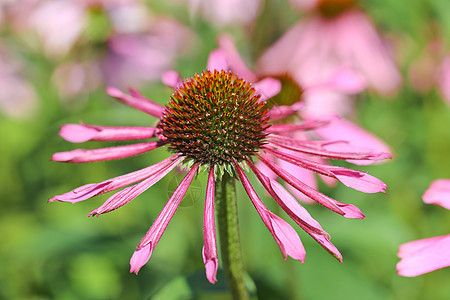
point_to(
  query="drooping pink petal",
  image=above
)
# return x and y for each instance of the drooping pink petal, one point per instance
(346, 210)
(304, 147)
(93, 189)
(359, 180)
(267, 88)
(283, 111)
(140, 257)
(409, 248)
(423, 256)
(356, 137)
(303, 174)
(438, 193)
(141, 103)
(126, 195)
(155, 232)
(299, 214)
(285, 236)
(209, 250)
(217, 61)
(359, 42)
(278, 58)
(80, 133)
(102, 154)
(171, 78)
(234, 59)
(307, 125)
(352, 178)
(443, 79)
(344, 80)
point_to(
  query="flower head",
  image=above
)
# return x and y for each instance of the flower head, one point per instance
(214, 119)
(335, 34)
(219, 122)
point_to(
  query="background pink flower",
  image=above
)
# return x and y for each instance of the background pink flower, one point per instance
(314, 47)
(426, 255)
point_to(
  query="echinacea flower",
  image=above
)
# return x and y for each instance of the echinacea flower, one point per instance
(431, 69)
(301, 100)
(427, 255)
(335, 33)
(215, 122)
(226, 12)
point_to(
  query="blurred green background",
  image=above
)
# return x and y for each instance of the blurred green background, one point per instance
(53, 251)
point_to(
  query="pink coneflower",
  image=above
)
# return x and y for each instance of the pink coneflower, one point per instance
(226, 12)
(335, 33)
(301, 100)
(216, 122)
(431, 69)
(426, 255)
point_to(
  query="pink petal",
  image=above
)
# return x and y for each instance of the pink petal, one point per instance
(281, 112)
(267, 88)
(438, 193)
(423, 256)
(126, 195)
(235, 61)
(155, 232)
(152, 237)
(299, 214)
(360, 42)
(217, 61)
(321, 237)
(278, 58)
(444, 79)
(90, 190)
(305, 147)
(355, 179)
(346, 210)
(307, 125)
(359, 180)
(140, 257)
(303, 174)
(355, 136)
(102, 154)
(137, 101)
(171, 79)
(344, 80)
(285, 236)
(209, 250)
(411, 247)
(79, 133)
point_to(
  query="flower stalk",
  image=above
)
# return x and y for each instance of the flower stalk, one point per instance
(230, 243)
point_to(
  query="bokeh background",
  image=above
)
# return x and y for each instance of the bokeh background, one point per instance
(56, 57)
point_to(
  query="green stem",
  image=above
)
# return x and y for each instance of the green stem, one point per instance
(230, 243)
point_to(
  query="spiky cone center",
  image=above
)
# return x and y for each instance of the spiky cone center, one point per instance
(215, 118)
(333, 8)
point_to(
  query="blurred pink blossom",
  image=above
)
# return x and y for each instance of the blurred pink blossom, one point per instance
(17, 96)
(431, 69)
(141, 57)
(226, 12)
(443, 78)
(313, 48)
(426, 255)
(316, 102)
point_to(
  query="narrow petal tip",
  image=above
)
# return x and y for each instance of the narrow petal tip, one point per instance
(113, 92)
(65, 156)
(77, 133)
(140, 257)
